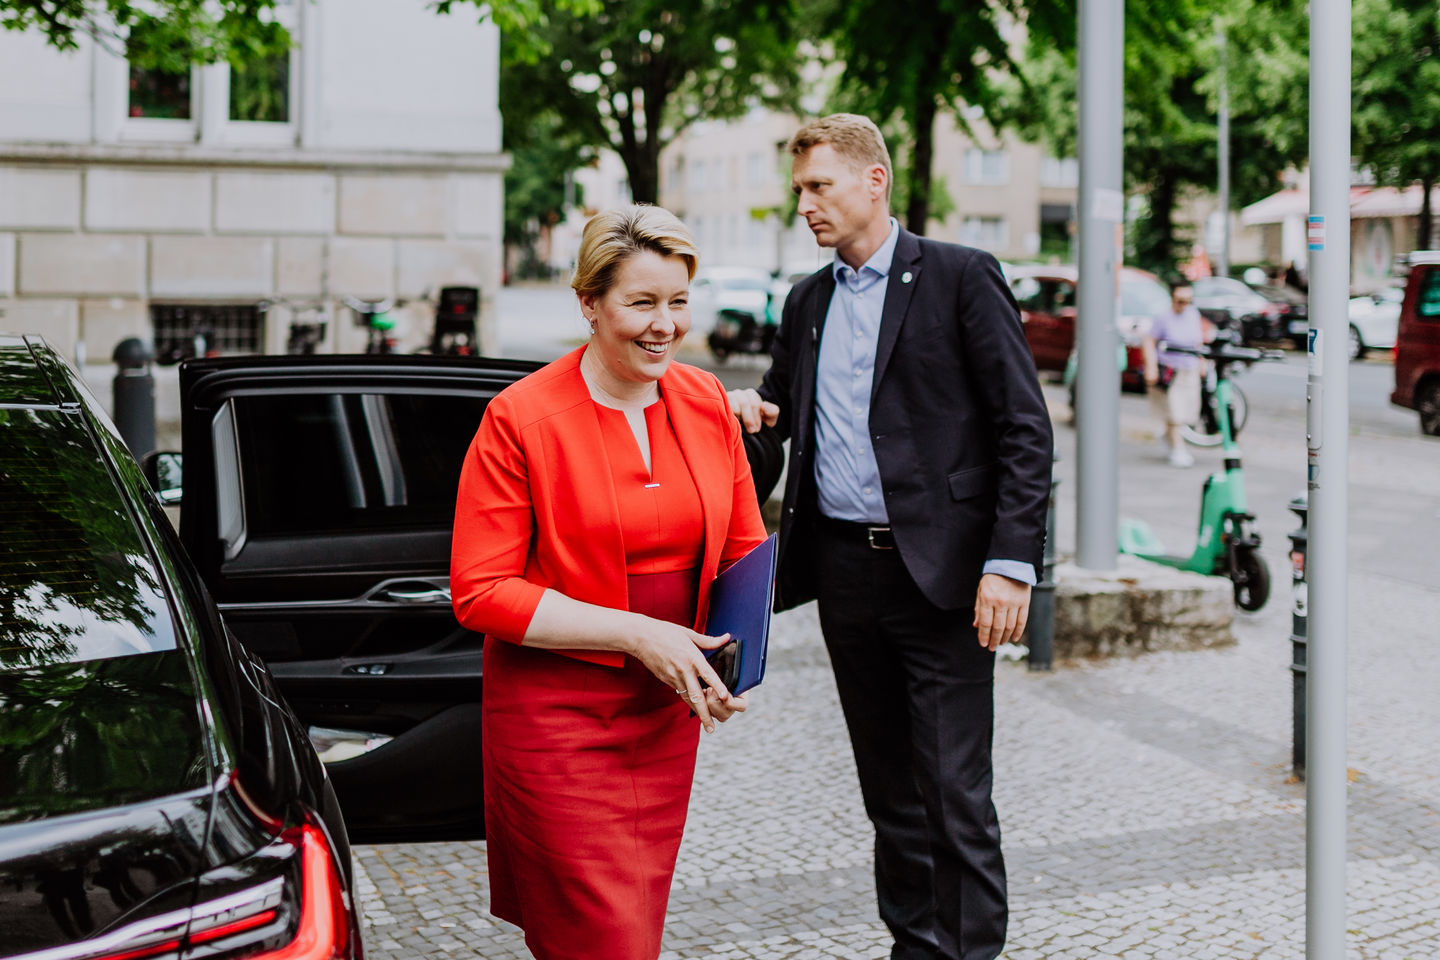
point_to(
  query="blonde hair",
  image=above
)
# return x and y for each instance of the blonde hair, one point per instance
(614, 236)
(855, 138)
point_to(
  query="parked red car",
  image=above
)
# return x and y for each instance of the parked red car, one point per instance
(1047, 299)
(1417, 346)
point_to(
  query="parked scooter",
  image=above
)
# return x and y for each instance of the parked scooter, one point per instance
(741, 331)
(1227, 543)
(374, 316)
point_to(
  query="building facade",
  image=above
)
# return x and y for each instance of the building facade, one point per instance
(366, 163)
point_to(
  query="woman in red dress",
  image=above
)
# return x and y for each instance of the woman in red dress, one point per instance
(599, 499)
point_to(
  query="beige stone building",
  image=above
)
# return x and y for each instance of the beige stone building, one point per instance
(366, 163)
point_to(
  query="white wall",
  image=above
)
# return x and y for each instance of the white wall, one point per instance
(44, 94)
(394, 75)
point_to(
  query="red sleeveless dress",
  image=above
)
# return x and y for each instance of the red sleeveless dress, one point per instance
(588, 767)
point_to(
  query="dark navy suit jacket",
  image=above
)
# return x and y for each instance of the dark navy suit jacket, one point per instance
(957, 420)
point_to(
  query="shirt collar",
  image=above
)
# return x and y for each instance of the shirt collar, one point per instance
(880, 260)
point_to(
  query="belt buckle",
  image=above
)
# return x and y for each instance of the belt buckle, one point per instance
(870, 535)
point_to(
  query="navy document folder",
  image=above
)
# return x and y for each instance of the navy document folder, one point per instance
(740, 603)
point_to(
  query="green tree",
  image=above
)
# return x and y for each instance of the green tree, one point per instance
(635, 73)
(1172, 78)
(1396, 96)
(910, 61)
(543, 153)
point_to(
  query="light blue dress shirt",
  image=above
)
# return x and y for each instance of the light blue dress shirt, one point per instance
(846, 473)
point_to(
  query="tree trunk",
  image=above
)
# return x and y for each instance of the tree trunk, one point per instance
(1161, 229)
(1424, 236)
(921, 160)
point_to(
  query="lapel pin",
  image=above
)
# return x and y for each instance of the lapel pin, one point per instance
(906, 277)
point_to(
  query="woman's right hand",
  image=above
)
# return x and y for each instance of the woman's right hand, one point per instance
(676, 656)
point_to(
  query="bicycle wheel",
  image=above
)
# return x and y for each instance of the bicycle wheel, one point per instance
(1206, 431)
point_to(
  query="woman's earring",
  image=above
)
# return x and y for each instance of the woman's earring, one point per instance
(591, 321)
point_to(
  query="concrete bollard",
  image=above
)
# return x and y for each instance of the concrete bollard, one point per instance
(1042, 601)
(134, 395)
(1299, 631)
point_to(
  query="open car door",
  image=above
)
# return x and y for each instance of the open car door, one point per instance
(319, 494)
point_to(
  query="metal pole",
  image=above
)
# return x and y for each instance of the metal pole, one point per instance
(1041, 628)
(1327, 428)
(1222, 257)
(1102, 217)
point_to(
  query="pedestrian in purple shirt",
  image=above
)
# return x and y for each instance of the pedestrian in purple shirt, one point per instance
(1173, 379)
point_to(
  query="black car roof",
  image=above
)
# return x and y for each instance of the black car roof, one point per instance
(26, 374)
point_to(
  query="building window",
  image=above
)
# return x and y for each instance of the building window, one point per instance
(260, 92)
(755, 169)
(987, 233)
(161, 102)
(205, 330)
(1059, 172)
(987, 167)
(697, 176)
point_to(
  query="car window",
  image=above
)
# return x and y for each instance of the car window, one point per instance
(1026, 291)
(350, 463)
(76, 581)
(1063, 292)
(1429, 305)
(1142, 297)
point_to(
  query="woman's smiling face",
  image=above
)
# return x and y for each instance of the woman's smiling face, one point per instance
(641, 319)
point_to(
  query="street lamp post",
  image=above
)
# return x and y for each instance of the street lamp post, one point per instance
(1102, 217)
(1327, 443)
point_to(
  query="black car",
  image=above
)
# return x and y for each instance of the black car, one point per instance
(1294, 310)
(1232, 305)
(159, 800)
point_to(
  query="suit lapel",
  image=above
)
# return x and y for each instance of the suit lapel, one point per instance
(904, 276)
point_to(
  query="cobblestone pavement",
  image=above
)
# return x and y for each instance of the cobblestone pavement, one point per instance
(1146, 805)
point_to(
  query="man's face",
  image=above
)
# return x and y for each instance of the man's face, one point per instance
(1180, 298)
(839, 202)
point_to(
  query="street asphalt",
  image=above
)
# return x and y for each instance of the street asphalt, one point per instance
(1147, 804)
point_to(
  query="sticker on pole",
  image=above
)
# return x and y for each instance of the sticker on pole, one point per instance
(1314, 350)
(1315, 232)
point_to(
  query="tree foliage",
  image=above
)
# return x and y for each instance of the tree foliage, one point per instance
(1173, 72)
(637, 72)
(1396, 95)
(165, 35)
(907, 62)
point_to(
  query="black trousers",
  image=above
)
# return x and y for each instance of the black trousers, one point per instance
(917, 690)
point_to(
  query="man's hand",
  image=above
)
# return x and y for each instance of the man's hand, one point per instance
(1002, 606)
(753, 411)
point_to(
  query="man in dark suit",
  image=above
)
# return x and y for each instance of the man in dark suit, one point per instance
(915, 513)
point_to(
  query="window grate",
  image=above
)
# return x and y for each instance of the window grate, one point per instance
(189, 330)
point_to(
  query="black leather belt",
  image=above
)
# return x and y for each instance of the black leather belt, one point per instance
(875, 536)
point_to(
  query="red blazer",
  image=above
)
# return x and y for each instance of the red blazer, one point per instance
(536, 506)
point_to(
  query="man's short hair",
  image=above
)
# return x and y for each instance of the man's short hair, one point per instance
(855, 138)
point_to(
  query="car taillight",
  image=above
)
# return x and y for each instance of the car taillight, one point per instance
(323, 932)
(244, 923)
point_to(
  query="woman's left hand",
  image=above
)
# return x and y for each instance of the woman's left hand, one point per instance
(723, 710)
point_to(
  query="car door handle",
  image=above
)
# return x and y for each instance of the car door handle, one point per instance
(426, 594)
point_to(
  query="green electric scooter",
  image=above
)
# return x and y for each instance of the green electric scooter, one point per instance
(1227, 543)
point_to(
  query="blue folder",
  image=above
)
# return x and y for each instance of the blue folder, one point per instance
(740, 603)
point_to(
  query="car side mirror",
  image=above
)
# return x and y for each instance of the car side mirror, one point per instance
(164, 470)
